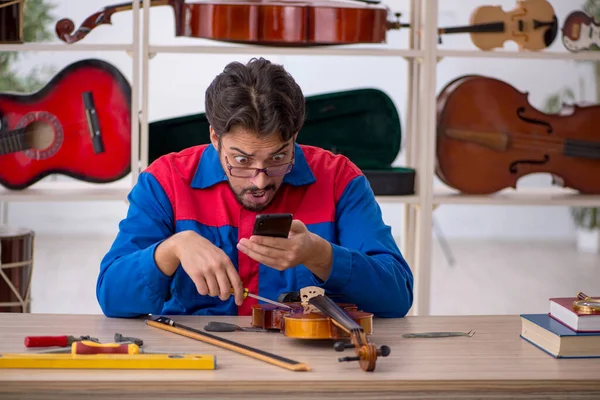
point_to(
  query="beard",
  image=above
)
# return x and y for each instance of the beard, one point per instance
(240, 196)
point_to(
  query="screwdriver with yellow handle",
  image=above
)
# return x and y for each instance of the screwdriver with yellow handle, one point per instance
(89, 347)
(248, 294)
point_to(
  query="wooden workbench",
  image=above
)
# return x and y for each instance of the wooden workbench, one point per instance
(494, 363)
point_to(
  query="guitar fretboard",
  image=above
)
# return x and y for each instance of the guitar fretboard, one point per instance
(13, 141)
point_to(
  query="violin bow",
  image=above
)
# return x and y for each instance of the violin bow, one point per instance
(366, 352)
(168, 324)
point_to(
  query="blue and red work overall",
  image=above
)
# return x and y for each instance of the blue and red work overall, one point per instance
(188, 190)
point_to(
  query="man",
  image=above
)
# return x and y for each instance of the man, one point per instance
(186, 241)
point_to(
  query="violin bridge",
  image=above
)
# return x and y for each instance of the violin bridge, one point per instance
(308, 293)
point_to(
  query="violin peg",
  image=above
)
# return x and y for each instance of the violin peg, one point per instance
(347, 359)
(340, 346)
(384, 351)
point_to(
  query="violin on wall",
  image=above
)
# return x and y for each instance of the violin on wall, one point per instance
(532, 24)
(489, 135)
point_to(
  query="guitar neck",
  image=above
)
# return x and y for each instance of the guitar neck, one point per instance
(492, 27)
(13, 141)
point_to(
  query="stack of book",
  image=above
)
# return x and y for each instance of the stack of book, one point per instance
(564, 332)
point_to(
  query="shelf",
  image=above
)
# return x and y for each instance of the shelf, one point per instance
(523, 196)
(546, 55)
(68, 191)
(65, 47)
(292, 51)
(409, 199)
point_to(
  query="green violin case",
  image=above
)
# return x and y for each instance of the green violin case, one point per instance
(362, 124)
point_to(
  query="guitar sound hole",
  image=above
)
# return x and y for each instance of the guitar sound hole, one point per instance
(39, 135)
(43, 134)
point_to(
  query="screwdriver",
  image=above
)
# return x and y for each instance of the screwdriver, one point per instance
(248, 294)
(63, 341)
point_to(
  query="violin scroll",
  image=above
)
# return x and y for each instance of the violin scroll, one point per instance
(366, 355)
(366, 352)
(65, 27)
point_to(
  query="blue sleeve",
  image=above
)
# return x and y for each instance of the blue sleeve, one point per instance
(130, 283)
(367, 267)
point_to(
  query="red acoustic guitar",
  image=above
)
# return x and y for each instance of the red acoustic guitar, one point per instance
(78, 125)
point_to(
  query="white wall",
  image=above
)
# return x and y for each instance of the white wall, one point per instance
(182, 92)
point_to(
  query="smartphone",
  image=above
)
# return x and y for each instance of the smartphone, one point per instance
(275, 225)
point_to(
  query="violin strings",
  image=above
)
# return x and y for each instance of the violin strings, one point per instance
(574, 142)
(576, 151)
(575, 145)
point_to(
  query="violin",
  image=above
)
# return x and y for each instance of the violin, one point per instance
(489, 135)
(532, 24)
(319, 317)
(262, 22)
(294, 323)
(580, 32)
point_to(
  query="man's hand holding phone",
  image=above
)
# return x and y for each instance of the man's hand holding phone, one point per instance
(281, 251)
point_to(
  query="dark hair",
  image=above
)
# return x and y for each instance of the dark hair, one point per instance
(259, 96)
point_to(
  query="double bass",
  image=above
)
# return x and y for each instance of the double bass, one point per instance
(304, 23)
(489, 136)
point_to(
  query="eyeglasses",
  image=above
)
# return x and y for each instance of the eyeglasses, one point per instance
(273, 170)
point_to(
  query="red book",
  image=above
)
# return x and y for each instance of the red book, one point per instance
(561, 309)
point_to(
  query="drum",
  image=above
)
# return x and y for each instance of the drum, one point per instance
(11, 21)
(16, 268)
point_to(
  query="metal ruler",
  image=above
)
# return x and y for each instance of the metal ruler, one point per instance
(109, 361)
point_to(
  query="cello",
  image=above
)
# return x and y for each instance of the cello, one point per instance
(259, 22)
(489, 136)
(304, 23)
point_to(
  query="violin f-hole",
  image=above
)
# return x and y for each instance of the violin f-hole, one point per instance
(513, 166)
(520, 112)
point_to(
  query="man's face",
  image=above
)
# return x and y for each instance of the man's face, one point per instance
(243, 149)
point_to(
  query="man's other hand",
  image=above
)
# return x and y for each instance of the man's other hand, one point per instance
(208, 266)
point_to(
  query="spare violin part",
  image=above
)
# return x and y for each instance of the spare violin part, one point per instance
(262, 22)
(489, 136)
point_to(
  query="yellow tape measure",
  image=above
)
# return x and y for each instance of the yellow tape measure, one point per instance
(108, 361)
(586, 304)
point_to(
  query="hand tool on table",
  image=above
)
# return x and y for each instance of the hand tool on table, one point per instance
(214, 326)
(87, 347)
(169, 325)
(128, 339)
(426, 335)
(248, 294)
(109, 361)
(62, 341)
